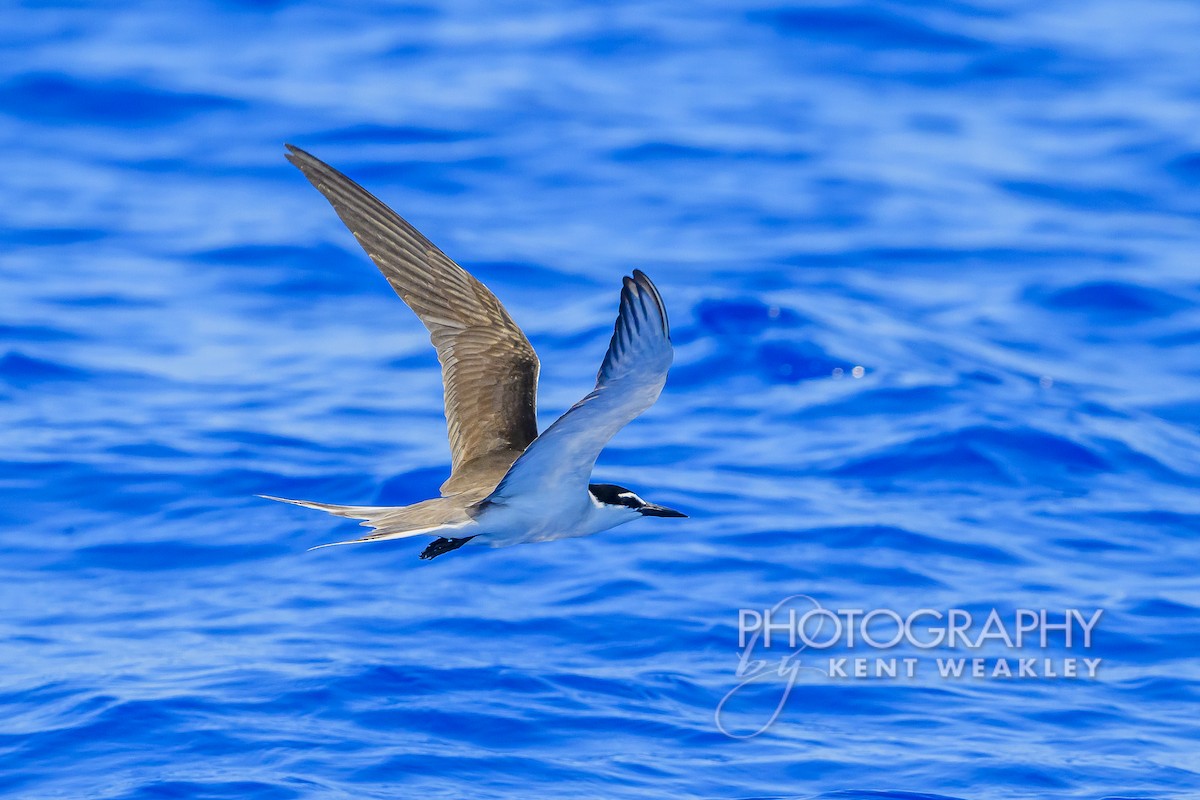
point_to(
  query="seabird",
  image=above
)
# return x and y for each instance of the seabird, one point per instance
(508, 483)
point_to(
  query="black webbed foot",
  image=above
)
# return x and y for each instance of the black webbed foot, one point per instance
(441, 546)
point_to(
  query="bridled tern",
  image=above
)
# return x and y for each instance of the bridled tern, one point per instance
(508, 483)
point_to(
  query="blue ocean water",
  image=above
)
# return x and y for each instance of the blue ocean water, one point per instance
(932, 273)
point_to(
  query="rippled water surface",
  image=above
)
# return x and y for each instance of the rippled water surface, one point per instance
(990, 208)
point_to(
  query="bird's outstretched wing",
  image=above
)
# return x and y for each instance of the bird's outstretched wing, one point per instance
(489, 368)
(630, 380)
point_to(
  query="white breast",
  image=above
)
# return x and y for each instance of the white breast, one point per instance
(547, 517)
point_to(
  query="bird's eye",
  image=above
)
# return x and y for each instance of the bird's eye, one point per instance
(630, 499)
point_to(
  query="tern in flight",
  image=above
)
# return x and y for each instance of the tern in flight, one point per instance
(508, 483)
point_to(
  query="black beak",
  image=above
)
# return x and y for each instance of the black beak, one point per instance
(651, 510)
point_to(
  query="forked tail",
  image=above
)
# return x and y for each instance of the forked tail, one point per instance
(389, 522)
(367, 513)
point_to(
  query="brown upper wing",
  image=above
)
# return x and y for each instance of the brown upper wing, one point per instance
(489, 368)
